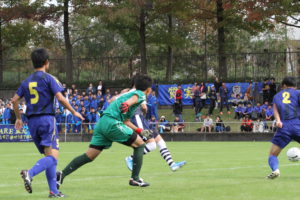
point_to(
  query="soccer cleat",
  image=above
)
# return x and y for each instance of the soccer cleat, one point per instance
(27, 180)
(139, 183)
(129, 162)
(59, 179)
(177, 165)
(58, 195)
(274, 174)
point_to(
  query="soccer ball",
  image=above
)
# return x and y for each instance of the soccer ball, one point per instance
(293, 154)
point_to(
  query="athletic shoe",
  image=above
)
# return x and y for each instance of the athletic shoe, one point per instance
(129, 162)
(58, 195)
(59, 179)
(139, 183)
(27, 180)
(177, 165)
(274, 174)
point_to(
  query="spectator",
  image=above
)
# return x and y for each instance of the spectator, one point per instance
(106, 103)
(2, 108)
(266, 90)
(203, 91)
(12, 118)
(269, 113)
(70, 123)
(256, 113)
(239, 112)
(153, 123)
(177, 125)
(178, 94)
(23, 106)
(177, 110)
(93, 117)
(73, 87)
(100, 87)
(94, 102)
(23, 117)
(273, 127)
(73, 103)
(237, 100)
(212, 95)
(249, 93)
(86, 102)
(247, 124)
(264, 108)
(7, 114)
(59, 120)
(194, 88)
(217, 85)
(164, 125)
(258, 126)
(152, 106)
(272, 86)
(248, 110)
(207, 124)
(99, 94)
(197, 104)
(220, 127)
(101, 103)
(77, 122)
(224, 98)
(107, 93)
(90, 89)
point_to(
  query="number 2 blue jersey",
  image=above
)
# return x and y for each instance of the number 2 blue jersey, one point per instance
(39, 90)
(288, 104)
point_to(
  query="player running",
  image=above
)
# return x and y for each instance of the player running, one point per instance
(156, 140)
(39, 90)
(287, 112)
(115, 126)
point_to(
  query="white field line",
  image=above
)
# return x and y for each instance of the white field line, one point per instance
(153, 174)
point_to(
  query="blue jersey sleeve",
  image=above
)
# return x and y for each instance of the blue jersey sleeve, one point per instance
(55, 85)
(20, 92)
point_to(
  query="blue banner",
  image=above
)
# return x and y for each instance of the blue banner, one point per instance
(8, 133)
(166, 93)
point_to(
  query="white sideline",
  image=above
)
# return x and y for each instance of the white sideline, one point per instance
(153, 174)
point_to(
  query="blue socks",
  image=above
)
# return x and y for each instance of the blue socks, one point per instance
(51, 178)
(273, 162)
(47, 163)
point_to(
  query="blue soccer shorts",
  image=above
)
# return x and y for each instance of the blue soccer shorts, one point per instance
(290, 131)
(43, 131)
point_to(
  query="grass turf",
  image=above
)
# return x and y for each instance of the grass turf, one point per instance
(215, 170)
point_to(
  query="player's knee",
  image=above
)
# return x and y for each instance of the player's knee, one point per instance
(151, 146)
(161, 144)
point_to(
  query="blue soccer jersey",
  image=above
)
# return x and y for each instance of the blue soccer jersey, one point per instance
(288, 104)
(39, 90)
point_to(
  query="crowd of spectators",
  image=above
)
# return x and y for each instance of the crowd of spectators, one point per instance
(92, 101)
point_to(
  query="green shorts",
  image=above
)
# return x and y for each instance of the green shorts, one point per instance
(109, 130)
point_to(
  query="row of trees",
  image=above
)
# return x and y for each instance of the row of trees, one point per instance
(137, 28)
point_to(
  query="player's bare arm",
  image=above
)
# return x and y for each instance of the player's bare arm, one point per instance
(277, 116)
(15, 101)
(67, 105)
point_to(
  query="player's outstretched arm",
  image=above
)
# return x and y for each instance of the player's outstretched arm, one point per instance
(125, 105)
(277, 116)
(144, 133)
(67, 105)
(15, 101)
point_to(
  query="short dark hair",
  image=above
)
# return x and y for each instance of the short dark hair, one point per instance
(289, 81)
(39, 57)
(142, 82)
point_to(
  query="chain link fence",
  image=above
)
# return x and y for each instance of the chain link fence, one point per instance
(242, 66)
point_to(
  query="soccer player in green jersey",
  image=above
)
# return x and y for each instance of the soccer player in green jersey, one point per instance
(115, 126)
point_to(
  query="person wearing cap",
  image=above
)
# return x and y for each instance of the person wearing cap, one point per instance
(164, 124)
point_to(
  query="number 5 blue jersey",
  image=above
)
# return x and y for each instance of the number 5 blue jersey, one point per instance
(39, 90)
(288, 103)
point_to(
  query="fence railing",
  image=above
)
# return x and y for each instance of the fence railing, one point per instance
(187, 127)
(242, 66)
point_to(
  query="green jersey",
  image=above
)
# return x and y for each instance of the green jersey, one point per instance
(114, 111)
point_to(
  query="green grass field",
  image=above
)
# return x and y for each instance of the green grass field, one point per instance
(215, 171)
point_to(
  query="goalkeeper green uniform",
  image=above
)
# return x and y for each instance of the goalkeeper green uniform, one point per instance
(110, 128)
(115, 126)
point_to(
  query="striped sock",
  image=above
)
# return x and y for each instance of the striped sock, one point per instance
(167, 156)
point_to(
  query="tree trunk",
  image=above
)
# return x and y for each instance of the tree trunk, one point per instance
(142, 33)
(169, 71)
(1, 54)
(68, 45)
(221, 41)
